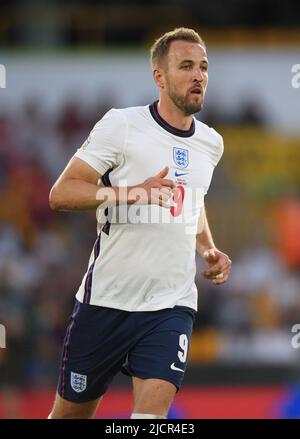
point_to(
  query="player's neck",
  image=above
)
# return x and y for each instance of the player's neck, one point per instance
(171, 114)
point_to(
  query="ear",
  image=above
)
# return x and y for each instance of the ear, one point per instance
(159, 78)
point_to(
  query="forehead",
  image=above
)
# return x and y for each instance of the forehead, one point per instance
(180, 50)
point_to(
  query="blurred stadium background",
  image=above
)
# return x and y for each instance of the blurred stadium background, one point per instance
(66, 65)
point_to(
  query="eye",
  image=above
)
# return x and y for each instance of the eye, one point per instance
(186, 66)
(204, 68)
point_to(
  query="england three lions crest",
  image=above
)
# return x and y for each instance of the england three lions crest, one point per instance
(181, 157)
(78, 382)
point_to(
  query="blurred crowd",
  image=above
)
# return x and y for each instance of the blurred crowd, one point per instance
(43, 256)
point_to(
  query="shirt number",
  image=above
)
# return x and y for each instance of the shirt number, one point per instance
(177, 198)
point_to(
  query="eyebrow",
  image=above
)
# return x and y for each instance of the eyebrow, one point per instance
(191, 61)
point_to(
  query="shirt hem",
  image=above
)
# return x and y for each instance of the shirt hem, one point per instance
(108, 304)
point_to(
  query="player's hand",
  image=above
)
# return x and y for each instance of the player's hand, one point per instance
(154, 190)
(219, 266)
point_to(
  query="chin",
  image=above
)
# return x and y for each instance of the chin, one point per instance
(194, 108)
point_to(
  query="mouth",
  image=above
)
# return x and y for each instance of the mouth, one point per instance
(196, 91)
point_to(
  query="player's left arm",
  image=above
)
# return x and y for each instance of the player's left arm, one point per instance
(218, 263)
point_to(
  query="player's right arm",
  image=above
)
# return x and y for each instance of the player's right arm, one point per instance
(77, 189)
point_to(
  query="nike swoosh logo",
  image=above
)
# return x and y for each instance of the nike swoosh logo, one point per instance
(173, 367)
(178, 174)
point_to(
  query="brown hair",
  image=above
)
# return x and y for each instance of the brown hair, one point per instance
(160, 48)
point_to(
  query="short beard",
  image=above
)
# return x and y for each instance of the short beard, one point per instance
(181, 102)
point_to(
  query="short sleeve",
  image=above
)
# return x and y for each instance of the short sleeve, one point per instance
(219, 148)
(104, 148)
(217, 152)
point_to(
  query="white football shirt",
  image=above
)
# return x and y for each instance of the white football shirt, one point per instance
(144, 256)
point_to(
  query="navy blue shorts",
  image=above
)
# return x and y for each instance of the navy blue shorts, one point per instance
(101, 341)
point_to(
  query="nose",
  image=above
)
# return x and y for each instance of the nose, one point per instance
(199, 75)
